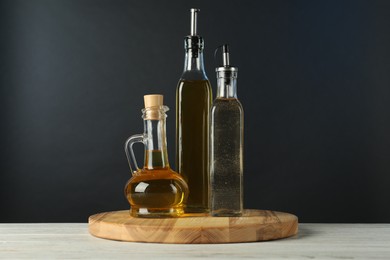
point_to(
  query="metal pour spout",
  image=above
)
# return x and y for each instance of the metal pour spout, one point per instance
(194, 21)
(225, 55)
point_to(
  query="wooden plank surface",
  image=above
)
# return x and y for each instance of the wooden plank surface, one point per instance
(314, 241)
(253, 225)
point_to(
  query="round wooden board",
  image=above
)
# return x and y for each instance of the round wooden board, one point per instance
(253, 225)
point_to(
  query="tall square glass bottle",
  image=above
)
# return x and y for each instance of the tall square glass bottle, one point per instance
(193, 103)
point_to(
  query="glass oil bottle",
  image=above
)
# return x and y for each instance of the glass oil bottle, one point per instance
(226, 143)
(193, 103)
(155, 190)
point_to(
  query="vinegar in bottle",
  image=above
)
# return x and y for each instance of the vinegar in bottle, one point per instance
(226, 144)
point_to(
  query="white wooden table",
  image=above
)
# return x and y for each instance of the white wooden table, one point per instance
(314, 241)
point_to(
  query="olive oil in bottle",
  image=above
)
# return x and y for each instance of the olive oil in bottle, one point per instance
(155, 190)
(193, 102)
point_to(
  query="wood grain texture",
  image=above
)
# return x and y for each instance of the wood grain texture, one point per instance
(254, 225)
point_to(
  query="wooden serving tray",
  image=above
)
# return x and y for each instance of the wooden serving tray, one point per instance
(253, 225)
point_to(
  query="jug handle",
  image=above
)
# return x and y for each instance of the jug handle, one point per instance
(130, 153)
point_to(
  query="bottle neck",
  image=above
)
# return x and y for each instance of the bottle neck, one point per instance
(194, 60)
(227, 87)
(194, 65)
(156, 154)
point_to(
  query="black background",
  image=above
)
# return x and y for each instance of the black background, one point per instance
(314, 80)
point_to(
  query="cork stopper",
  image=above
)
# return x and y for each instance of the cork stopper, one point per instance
(154, 107)
(153, 100)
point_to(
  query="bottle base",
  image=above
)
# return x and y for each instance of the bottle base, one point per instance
(156, 212)
(226, 213)
(196, 210)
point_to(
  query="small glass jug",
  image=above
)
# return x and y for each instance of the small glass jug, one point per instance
(155, 190)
